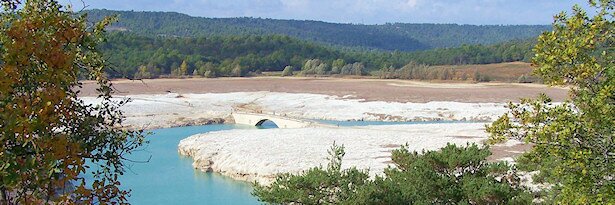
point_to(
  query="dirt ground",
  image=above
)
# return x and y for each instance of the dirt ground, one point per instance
(502, 72)
(368, 89)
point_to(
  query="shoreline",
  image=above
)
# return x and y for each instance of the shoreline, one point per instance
(213, 122)
(276, 151)
(224, 152)
(175, 110)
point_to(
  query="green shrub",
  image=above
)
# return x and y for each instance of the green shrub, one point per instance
(452, 175)
(288, 71)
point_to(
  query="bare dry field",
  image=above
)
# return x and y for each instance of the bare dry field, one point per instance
(368, 89)
(502, 72)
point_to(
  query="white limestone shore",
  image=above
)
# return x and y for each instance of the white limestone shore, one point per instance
(172, 110)
(258, 155)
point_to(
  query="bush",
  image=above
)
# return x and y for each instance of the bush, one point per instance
(288, 71)
(479, 77)
(143, 73)
(524, 79)
(210, 74)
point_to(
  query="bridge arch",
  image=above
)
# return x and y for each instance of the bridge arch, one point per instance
(264, 121)
(256, 119)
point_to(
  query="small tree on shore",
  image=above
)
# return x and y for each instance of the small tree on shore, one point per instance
(288, 71)
(358, 69)
(143, 73)
(183, 69)
(336, 66)
(237, 71)
(210, 74)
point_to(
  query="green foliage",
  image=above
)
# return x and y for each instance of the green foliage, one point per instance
(180, 71)
(207, 70)
(48, 134)
(314, 67)
(221, 55)
(452, 175)
(288, 71)
(391, 37)
(330, 185)
(417, 71)
(574, 141)
(143, 73)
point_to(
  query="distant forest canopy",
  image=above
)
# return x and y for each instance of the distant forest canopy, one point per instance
(391, 37)
(133, 55)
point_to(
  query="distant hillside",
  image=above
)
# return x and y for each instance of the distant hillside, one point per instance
(398, 36)
(130, 54)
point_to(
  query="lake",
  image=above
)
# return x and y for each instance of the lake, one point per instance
(169, 178)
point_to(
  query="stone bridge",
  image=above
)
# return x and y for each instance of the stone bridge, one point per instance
(257, 119)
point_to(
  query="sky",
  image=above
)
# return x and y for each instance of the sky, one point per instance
(478, 12)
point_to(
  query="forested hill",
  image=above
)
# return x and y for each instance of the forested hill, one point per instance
(398, 36)
(130, 54)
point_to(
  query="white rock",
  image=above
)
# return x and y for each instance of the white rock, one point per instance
(258, 155)
(156, 111)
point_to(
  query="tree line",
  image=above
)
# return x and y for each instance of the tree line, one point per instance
(390, 37)
(135, 56)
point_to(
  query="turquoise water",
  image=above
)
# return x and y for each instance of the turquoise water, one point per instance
(169, 178)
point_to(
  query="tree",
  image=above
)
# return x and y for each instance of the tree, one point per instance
(143, 73)
(314, 66)
(452, 175)
(205, 68)
(288, 71)
(346, 69)
(358, 68)
(387, 73)
(127, 51)
(237, 71)
(574, 142)
(330, 185)
(337, 66)
(322, 69)
(183, 69)
(48, 134)
(210, 74)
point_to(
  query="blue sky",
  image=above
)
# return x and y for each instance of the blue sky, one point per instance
(357, 11)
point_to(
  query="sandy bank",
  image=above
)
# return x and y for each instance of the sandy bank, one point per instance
(258, 155)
